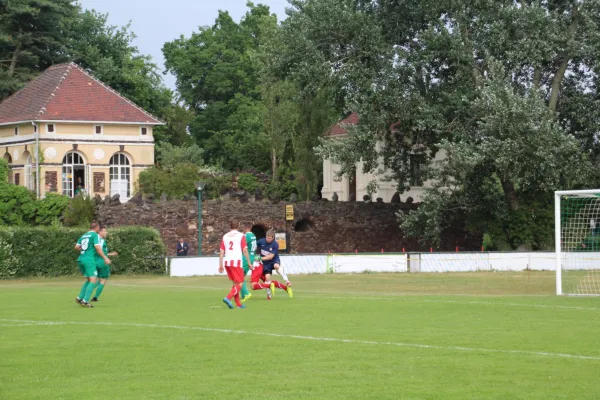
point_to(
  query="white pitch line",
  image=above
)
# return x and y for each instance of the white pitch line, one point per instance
(319, 339)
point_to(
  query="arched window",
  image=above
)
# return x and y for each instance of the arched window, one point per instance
(29, 171)
(120, 176)
(8, 159)
(73, 174)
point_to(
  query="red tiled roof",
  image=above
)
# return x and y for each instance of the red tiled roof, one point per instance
(66, 92)
(339, 129)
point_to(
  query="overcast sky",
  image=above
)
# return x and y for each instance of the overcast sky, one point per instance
(158, 21)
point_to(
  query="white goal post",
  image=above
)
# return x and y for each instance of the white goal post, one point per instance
(577, 242)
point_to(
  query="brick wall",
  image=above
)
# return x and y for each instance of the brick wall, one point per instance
(318, 227)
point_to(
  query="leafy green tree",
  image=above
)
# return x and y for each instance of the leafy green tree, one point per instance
(280, 114)
(217, 78)
(170, 156)
(32, 38)
(414, 71)
(501, 169)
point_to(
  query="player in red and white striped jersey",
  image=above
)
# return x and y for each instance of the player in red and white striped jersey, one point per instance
(233, 250)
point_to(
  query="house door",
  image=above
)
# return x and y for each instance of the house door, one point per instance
(74, 175)
(352, 186)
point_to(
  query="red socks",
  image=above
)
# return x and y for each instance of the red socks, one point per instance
(258, 286)
(232, 292)
(235, 294)
(280, 285)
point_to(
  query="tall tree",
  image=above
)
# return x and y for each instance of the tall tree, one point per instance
(32, 38)
(217, 78)
(279, 114)
(413, 71)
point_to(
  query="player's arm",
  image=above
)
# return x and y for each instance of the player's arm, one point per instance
(78, 247)
(268, 257)
(245, 250)
(98, 248)
(221, 254)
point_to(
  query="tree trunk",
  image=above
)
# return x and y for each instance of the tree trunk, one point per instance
(537, 77)
(564, 63)
(274, 164)
(13, 62)
(557, 82)
(510, 194)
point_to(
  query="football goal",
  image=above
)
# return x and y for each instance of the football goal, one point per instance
(577, 242)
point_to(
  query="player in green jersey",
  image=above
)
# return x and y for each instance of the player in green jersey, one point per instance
(251, 243)
(102, 268)
(89, 246)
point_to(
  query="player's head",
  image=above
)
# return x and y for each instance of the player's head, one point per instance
(234, 224)
(103, 232)
(246, 226)
(94, 226)
(270, 236)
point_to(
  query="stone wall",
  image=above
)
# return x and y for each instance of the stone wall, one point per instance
(318, 227)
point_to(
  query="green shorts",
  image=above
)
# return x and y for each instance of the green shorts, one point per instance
(103, 270)
(87, 268)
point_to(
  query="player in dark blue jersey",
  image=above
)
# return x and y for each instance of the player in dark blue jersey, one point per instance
(268, 249)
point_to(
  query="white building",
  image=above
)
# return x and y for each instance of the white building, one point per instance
(356, 186)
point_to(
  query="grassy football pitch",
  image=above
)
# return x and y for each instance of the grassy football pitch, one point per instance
(365, 336)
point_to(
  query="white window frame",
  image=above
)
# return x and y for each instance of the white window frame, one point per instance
(48, 130)
(126, 184)
(68, 186)
(147, 131)
(29, 173)
(101, 130)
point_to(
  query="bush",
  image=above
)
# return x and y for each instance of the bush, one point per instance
(27, 252)
(218, 185)
(175, 183)
(249, 183)
(17, 205)
(80, 211)
(281, 189)
(3, 171)
(169, 156)
(51, 208)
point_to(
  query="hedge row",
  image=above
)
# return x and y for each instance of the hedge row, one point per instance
(47, 251)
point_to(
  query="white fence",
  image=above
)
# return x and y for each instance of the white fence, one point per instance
(392, 262)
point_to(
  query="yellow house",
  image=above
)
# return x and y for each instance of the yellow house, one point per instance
(67, 132)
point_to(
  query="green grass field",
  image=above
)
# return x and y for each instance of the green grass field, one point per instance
(366, 336)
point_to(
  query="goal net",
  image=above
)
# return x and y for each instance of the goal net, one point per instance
(577, 241)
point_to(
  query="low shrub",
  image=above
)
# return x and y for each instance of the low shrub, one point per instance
(49, 251)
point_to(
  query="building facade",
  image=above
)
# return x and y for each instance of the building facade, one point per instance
(66, 132)
(355, 187)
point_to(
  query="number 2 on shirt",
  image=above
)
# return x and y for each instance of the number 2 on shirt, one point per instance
(230, 245)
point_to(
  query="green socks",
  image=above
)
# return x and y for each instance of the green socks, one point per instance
(245, 291)
(83, 289)
(99, 290)
(89, 291)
